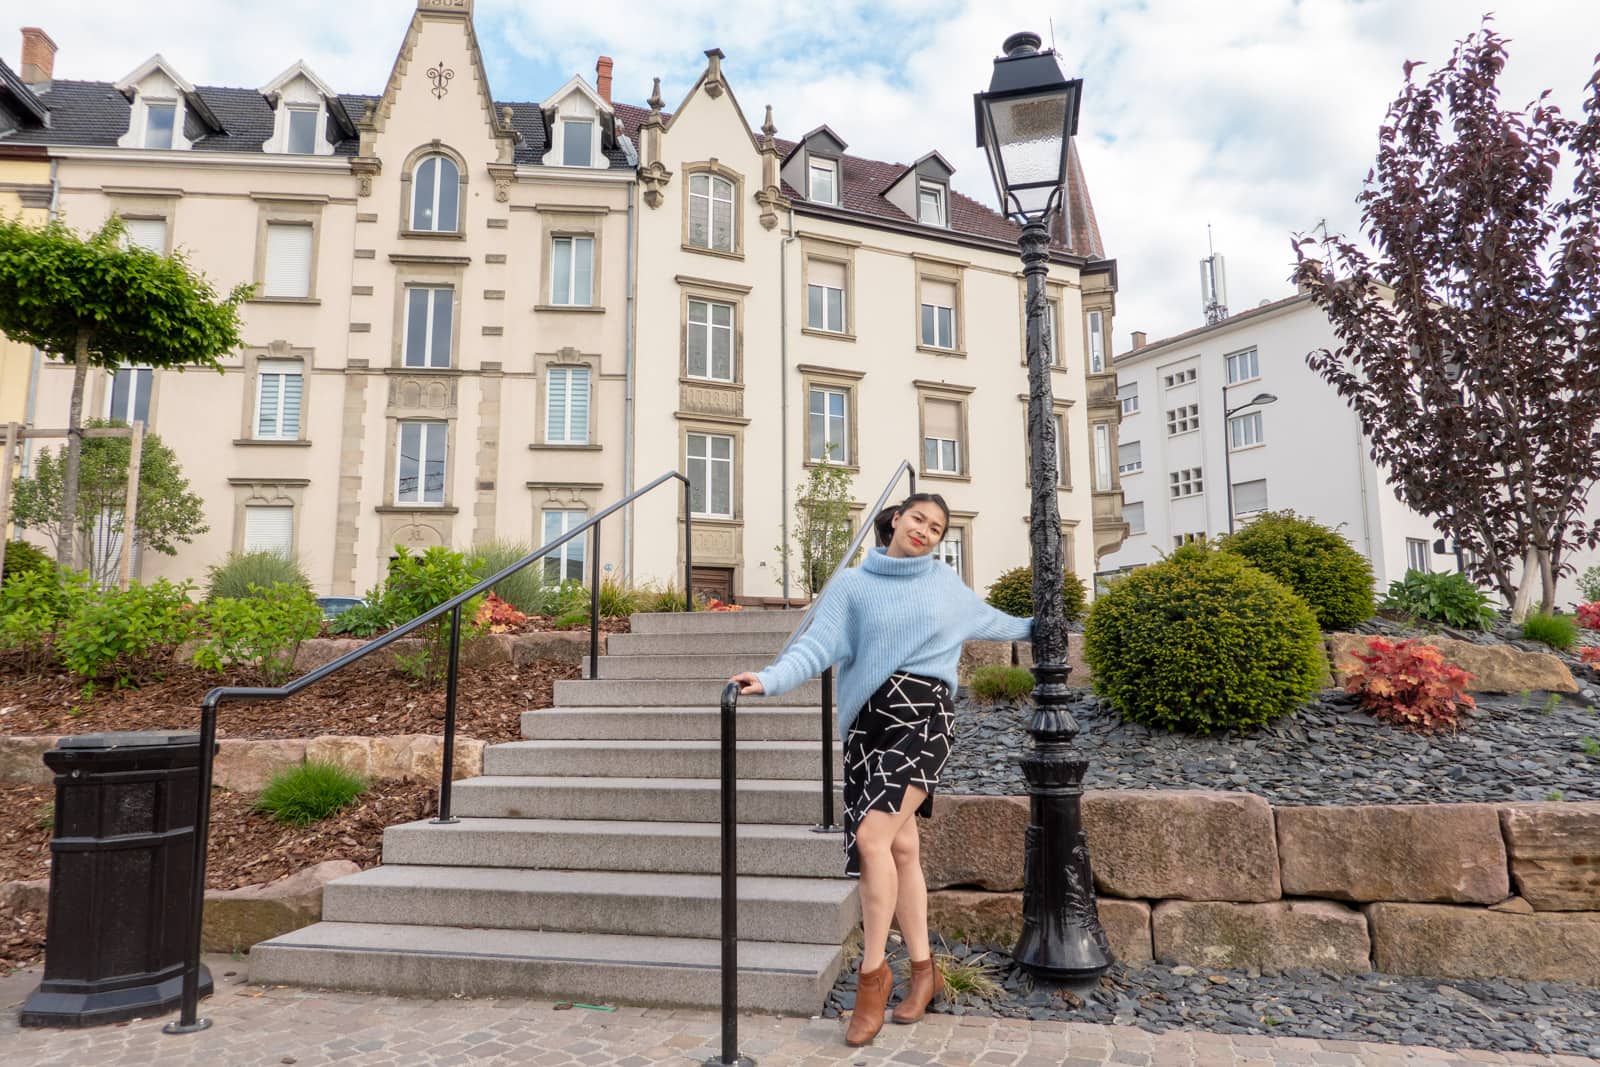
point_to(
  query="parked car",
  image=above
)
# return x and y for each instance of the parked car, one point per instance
(334, 606)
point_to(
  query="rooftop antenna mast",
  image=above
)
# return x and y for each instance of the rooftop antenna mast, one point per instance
(1213, 284)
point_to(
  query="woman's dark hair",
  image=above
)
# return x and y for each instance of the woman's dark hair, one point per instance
(884, 523)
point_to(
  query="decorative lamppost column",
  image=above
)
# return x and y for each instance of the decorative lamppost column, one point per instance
(1025, 122)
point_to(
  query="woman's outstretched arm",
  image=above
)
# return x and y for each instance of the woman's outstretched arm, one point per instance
(825, 642)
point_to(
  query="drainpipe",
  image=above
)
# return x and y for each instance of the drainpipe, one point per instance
(783, 396)
(627, 401)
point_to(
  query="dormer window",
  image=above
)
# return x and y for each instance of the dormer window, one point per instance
(303, 105)
(166, 112)
(823, 181)
(931, 204)
(577, 143)
(160, 117)
(581, 124)
(303, 130)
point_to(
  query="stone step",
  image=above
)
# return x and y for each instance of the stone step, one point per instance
(573, 844)
(754, 643)
(800, 760)
(673, 666)
(443, 961)
(800, 910)
(674, 692)
(715, 622)
(760, 800)
(755, 721)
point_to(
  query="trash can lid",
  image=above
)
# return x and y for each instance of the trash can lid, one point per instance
(130, 739)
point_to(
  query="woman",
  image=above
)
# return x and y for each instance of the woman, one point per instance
(895, 626)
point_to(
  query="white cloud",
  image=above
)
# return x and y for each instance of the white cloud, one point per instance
(1258, 117)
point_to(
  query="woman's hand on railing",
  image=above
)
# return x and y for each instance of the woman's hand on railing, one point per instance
(748, 683)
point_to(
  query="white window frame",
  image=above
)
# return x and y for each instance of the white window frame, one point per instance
(1418, 548)
(1186, 482)
(282, 370)
(951, 548)
(560, 561)
(1129, 510)
(573, 243)
(1185, 418)
(136, 374)
(1238, 509)
(431, 360)
(425, 433)
(931, 318)
(173, 134)
(290, 111)
(1097, 342)
(823, 168)
(708, 328)
(259, 509)
(1129, 401)
(934, 461)
(438, 159)
(1132, 466)
(589, 140)
(569, 375)
(1246, 431)
(1248, 359)
(941, 204)
(304, 284)
(708, 201)
(825, 324)
(1102, 456)
(836, 448)
(711, 466)
(128, 240)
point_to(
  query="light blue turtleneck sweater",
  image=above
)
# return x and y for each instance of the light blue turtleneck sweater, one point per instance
(890, 614)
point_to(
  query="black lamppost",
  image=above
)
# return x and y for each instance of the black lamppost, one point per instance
(1025, 124)
(1259, 400)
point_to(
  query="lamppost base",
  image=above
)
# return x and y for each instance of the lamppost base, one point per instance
(737, 1061)
(190, 1028)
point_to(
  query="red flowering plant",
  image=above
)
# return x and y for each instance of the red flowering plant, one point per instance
(716, 605)
(497, 616)
(1589, 615)
(1407, 684)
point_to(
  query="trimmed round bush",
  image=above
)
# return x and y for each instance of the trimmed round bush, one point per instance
(1203, 642)
(1012, 593)
(1311, 559)
(264, 570)
(25, 558)
(309, 793)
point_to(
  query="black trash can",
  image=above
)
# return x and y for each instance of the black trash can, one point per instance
(121, 878)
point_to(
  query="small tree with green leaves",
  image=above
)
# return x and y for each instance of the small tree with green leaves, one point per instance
(168, 514)
(822, 525)
(93, 302)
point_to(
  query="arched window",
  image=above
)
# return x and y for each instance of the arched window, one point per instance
(435, 195)
(711, 214)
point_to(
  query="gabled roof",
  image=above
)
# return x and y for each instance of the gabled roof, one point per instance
(17, 99)
(936, 157)
(826, 131)
(129, 81)
(297, 69)
(578, 85)
(200, 120)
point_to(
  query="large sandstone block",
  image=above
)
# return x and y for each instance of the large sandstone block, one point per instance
(22, 760)
(966, 915)
(416, 756)
(1441, 853)
(974, 841)
(1451, 941)
(1272, 937)
(1555, 854)
(1494, 668)
(235, 919)
(247, 766)
(1080, 675)
(975, 654)
(1182, 845)
(561, 646)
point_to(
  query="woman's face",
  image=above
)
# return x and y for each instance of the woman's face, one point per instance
(917, 529)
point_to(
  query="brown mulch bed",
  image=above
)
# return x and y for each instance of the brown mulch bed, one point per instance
(366, 699)
(246, 847)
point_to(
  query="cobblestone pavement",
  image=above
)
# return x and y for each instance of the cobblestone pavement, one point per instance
(270, 1026)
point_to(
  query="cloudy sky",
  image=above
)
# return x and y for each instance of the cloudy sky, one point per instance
(1257, 117)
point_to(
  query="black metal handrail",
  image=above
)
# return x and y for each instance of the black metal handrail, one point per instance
(187, 1020)
(728, 796)
(827, 826)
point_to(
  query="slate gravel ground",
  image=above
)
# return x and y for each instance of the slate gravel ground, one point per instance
(1499, 1015)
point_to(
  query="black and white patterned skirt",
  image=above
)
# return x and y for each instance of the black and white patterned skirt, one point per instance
(900, 738)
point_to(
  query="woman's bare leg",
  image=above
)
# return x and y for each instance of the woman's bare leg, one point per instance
(880, 881)
(911, 902)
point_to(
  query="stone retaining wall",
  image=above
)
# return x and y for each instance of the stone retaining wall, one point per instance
(1214, 879)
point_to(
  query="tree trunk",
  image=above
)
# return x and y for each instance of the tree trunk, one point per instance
(67, 548)
(1547, 581)
(1530, 572)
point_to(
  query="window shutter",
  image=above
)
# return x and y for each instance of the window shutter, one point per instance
(1133, 515)
(1250, 496)
(578, 390)
(942, 419)
(1129, 452)
(288, 271)
(150, 234)
(269, 529)
(940, 294)
(823, 272)
(556, 407)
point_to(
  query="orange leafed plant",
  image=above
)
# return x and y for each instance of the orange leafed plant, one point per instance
(1590, 655)
(1409, 684)
(498, 615)
(716, 605)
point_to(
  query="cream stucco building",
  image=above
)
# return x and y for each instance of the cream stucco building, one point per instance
(479, 320)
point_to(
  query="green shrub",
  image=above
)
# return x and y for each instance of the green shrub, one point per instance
(32, 606)
(652, 599)
(524, 590)
(360, 620)
(417, 583)
(618, 599)
(309, 793)
(1557, 631)
(995, 683)
(25, 558)
(1012, 593)
(1203, 642)
(242, 571)
(1312, 560)
(262, 630)
(126, 637)
(1589, 584)
(1450, 599)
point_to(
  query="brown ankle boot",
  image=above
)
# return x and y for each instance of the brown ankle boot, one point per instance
(926, 984)
(872, 995)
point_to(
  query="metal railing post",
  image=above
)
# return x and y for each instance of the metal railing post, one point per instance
(188, 1013)
(730, 885)
(828, 826)
(688, 547)
(594, 603)
(448, 769)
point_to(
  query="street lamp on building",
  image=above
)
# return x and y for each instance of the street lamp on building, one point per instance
(1260, 400)
(1025, 122)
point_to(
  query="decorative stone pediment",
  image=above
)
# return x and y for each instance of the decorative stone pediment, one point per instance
(422, 395)
(711, 400)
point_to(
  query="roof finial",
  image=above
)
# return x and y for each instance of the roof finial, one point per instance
(768, 127)
(655, 100)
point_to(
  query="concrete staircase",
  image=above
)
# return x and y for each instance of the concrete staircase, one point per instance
(585, 863)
